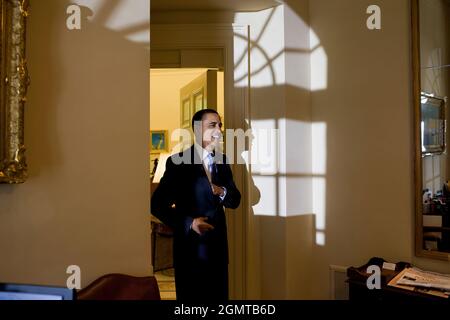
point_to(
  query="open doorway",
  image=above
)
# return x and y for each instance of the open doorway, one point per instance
(175, 95)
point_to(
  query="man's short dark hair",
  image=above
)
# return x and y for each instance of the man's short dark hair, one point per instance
(198, 116)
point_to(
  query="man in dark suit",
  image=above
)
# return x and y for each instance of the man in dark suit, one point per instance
(196, 186)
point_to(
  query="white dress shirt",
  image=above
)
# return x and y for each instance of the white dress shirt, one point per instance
(207, 160)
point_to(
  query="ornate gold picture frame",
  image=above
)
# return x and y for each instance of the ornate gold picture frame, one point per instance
(14, 82)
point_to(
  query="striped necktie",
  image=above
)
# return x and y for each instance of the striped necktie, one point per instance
(212, 166)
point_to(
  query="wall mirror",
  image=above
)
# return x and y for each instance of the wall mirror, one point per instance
(14, 81)
(431, 88)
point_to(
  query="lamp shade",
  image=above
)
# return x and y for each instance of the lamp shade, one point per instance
(161, 167)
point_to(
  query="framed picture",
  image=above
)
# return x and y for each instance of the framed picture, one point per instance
(433, 124)
(13, 89)
(159, 142)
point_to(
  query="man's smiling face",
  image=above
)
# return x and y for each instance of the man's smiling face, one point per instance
(211, 131)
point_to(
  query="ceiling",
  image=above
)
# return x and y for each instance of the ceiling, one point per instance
(212, 5)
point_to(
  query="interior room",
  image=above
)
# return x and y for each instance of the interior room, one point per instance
(172, 92)
(344, 164)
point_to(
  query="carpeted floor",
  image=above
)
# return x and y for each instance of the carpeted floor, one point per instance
(166, 284)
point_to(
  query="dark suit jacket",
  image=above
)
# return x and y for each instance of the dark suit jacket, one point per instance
(184, 193)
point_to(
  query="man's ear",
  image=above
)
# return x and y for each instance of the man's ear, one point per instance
(198, 130)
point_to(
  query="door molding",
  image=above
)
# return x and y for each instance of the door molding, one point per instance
(179, 46)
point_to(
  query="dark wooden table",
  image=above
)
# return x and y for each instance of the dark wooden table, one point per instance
(358, 290)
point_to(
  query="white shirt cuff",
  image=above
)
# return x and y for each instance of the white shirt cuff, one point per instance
(224, 193)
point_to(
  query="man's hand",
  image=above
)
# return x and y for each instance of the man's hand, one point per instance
(200, 225)
(217, 191)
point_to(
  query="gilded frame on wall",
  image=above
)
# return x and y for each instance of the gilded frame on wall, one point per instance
(14, 81)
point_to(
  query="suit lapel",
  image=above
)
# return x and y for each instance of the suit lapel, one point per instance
(199, 171)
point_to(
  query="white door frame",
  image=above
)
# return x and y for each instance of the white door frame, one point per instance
(169, 42)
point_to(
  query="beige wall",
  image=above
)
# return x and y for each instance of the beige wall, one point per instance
(86, 202)
(165, 101)
(165, 98)
(364, 107)
(368, 111)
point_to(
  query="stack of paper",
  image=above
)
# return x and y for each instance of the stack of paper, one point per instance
(423, 281)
